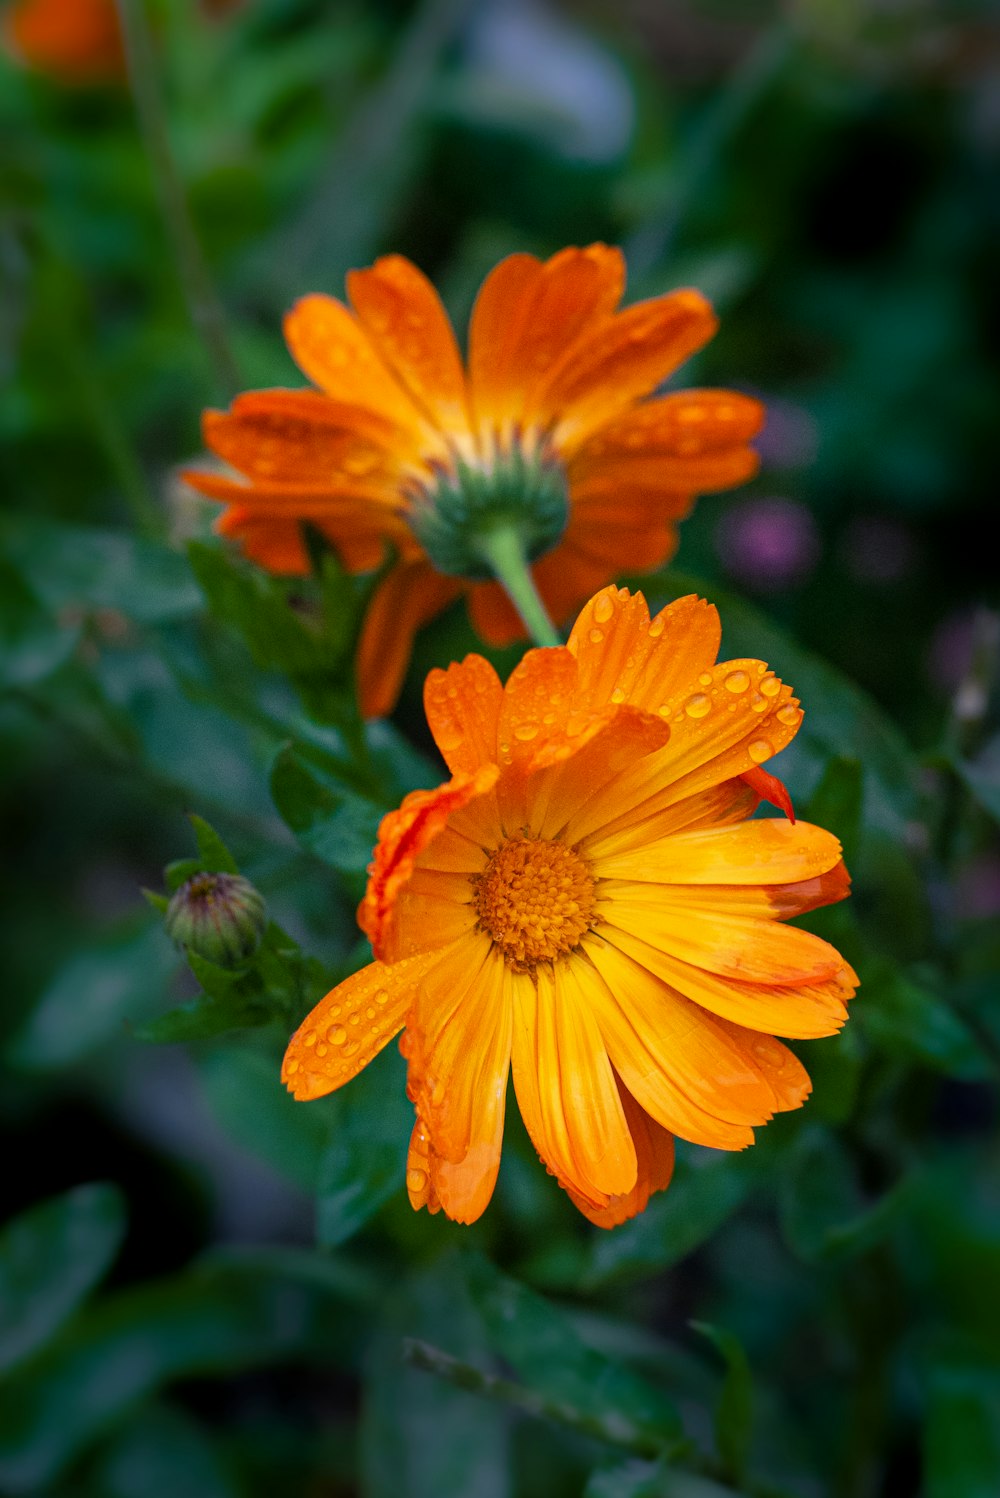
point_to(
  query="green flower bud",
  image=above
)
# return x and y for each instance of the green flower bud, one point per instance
(220, 917)
(524, 492)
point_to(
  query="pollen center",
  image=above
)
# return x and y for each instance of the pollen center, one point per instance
(535, 898)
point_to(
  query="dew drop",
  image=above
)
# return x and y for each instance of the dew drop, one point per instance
(759, 750)
(382, 997)
(617, 695)
(604, 608)
(416, 1180)
(549, 718)
(337, 1035)
(321, 1050)
(789, 715)
(770, 686)
(656, 627)
(370, 1012)
(596, 636)
(698, 706)
(705, 678)
(310, 1039)
(758, 703)
(737, 681)
(291, 1067)
(526, 731)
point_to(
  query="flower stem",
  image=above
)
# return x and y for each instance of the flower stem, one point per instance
(501, 549)
(199, 293)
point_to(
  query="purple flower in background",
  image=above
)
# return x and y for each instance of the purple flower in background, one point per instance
(768, 544)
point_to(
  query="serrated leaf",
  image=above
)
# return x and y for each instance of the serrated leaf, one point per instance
(51, 1257)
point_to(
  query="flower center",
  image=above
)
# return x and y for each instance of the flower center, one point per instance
(535, 898)
(521, 489)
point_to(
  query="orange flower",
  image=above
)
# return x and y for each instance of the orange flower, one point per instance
(586, 903)
(77, 41)
(548, 427)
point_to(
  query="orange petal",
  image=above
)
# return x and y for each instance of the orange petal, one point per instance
(732, 946)
(333, 350)
(420, 1170)
(624, 358)
(402, 837)
(406, 599)
(77, 43)
(692, 441)
(758, 852)
(460, 1040)
(769, 788)
(278, 544)
(463, 709)
(565, 1088)
(654, 1149)
(526, 316)
(801, 1011)
(764, 901)
(465, 1189)
(300, 435)
(403, 317)
(620, 651)
(781, 1068)
(653, 1030)
(730, 802)
(350, 1025)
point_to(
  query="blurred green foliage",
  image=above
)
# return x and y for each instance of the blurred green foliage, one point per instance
(816, 1317)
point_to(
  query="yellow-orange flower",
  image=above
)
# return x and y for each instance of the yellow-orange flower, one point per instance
(556, 383)
(586, 903)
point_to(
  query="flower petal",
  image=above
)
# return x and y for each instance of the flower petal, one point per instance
(566, 1089)
(620, 650)
(300, 435)
(526, 316)
(691, 440)
(403, 317)
(348, 1027)
(406, 599)
(654, 1149)
(463, 710)
(800, 1011)
(459, 1043)
(402, 837)
(759, 852)
(333, 350)
(623, 358)
(722, 805)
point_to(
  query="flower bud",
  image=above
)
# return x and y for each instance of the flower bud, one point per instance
(519, 490)
(220, 917)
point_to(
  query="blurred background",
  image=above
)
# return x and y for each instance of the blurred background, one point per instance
(827, 172)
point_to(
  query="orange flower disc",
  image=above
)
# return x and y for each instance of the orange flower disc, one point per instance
(551, 410)
(586, 905)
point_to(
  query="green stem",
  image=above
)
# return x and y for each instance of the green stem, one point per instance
(199, 293)
(501, 550)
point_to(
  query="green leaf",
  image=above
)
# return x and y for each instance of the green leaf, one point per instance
(699, 1200)
(334, 823)
(245, 1091)
(982, 777)
(837, 803)
(962, 1433)
(547, 1353)
(734, 1412)
(637, 1479)
(364, 1164)
(32, 642)
(906, 1018)
(51, 1257)
(213, 855)
(163, 1453)
(117, 981)
(203, 1018)
(83, 567)
(821, 1208)
(420, 1436)
(208, 1322)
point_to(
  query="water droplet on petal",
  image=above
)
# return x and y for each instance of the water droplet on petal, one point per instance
(382, 997)
(759, 750)
(604, 608)
(526, 731)
(416, 1180)
(770, 686)
(790, 715)
(337, 1035)
(758, 703)
(617, 695)
(738, 681)
(656, 627)
(698, 706)
(705, 678)
(596, 636)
